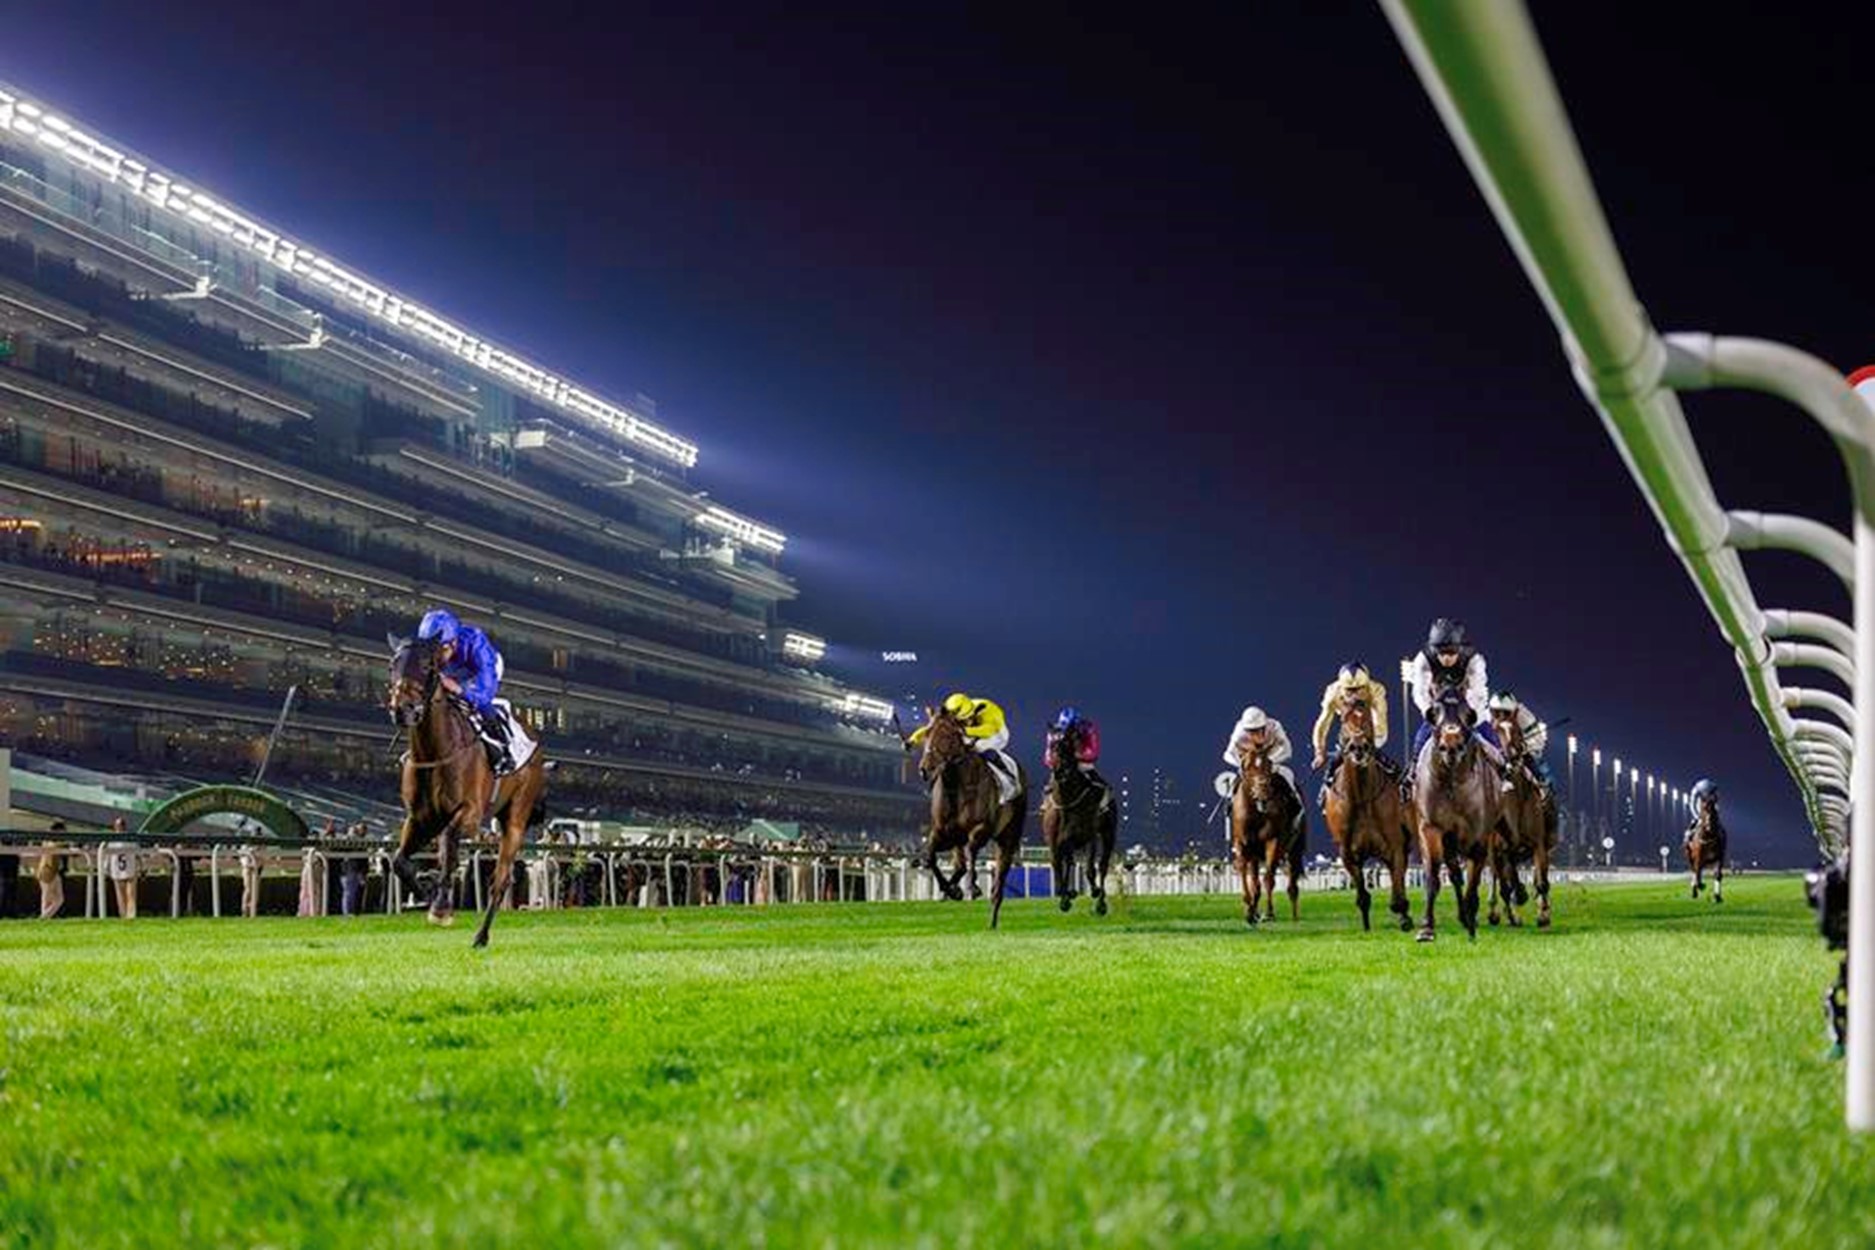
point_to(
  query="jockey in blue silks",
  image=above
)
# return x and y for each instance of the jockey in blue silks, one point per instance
(472, 668)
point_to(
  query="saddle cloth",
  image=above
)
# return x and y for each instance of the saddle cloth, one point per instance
(1008, 780)
(520, 747)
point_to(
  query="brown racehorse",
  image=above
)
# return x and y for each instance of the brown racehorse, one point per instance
(449, 789)
(1367, 816)
(1455, 788)
(1705, 848)
(1529, 830)
(1267, 827)
(967, 811)
(1078, 813)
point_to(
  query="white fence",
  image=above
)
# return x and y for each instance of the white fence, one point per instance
(1480, 62)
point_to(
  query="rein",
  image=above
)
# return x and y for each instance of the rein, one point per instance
(430, 683)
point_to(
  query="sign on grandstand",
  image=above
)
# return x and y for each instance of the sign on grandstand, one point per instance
(256, 805)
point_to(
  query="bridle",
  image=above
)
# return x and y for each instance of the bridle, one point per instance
(431, 679)
(1357, 750)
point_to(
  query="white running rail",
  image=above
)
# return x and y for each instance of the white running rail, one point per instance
(1481, 63)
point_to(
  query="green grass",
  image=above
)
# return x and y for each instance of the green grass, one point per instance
(1650, 1074)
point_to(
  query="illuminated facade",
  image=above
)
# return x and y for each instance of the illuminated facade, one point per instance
(230, 465)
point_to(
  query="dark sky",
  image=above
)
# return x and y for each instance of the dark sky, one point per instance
(1158, 367)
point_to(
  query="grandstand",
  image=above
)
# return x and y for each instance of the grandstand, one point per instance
(230, 465)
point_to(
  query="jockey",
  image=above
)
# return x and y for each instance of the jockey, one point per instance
(1449, 663)
(987, 729)
(471, 669)
(1534, 732)
(1256, 728)
(1353, 684)
(1705, 794)
(1086, 740)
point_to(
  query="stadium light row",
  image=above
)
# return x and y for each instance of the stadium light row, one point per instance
(59, 136)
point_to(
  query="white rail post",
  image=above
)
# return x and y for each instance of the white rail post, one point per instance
(1859, 1096)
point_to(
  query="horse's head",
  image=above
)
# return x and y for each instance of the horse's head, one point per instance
(1067, 750)
(1452, 725)
(1357, 731)
(416, 666)
(944, 744)
(1256, 770)
(1509, 732)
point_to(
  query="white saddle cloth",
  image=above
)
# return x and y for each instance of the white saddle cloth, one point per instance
(1003, 768)
(520, 746)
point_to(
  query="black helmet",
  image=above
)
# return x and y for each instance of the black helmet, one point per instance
(1446, 632)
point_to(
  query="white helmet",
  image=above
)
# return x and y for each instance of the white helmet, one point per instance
(1505, 701)
(1255, 718)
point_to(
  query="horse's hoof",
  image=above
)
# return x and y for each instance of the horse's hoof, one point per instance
(1406, 923)
(1425, 934)
(481, 941)
(1834, 1052)
(1100, 906)
(441, 920)
(1251, 919)
(1065, 903)
(1495, 921)
(1516, 921)
(1542, 922)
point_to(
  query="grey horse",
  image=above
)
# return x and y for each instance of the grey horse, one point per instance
(1456, 787)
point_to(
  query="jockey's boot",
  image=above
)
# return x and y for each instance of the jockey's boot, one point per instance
(1002, 765)
(495, 738)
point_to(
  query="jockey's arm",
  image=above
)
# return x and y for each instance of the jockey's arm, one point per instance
(1478, 689)
(1279, 750)
(917, 736)
(1418, 673)
(1377, 706)
(1318, 737)
(1535, 732)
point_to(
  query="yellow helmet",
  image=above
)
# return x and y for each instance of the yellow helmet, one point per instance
(959, 704)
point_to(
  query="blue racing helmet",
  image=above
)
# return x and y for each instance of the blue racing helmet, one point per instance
(1067, 717)
(1704, 788)
(439, 625)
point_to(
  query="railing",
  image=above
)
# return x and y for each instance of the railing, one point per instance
(1483, 67)
(615, 875)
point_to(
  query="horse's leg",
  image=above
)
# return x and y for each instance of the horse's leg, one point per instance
(1246, 871)
(1473, 867)
(1005, 860)
(410, 839)
(1718, 880)
(1272, 852)
(513, 830)
(1363, 897)
(1432, 852)
(1099, 859)
(1061, 863)
(1497, 877)
(973, 842)
(443, 902)
(1541, 873)
(1294, 864)
(1398, 903)
(1514, 893)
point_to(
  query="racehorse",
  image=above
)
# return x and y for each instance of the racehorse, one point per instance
(449, 789)
(1456, 790)
(1705, 848)
(1077, 812)
(1366, 814)
(967, 810)
(1267, 827)
(1529, 831)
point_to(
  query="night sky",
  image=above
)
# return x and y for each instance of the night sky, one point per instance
(1157, 368)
